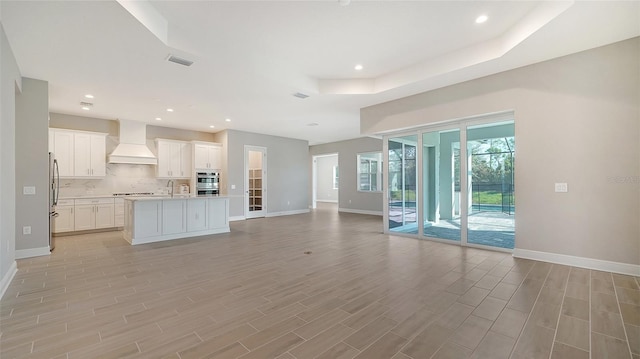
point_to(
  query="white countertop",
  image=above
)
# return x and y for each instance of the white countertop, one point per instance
(166, 197)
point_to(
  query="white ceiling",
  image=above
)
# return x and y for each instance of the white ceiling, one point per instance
(250, 57)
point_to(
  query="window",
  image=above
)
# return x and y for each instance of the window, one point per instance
(336, 177)
(370, 172)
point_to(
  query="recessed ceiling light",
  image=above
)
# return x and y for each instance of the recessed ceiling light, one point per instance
(158, 119)
(86, 108)
(169, 110)
(227, 119)
(212, 126)
(88, 95)
(482, 18)
(358, 67)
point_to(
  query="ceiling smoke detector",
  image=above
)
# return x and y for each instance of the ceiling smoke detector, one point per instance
(300, 95)
(86, 104)
(179, 60)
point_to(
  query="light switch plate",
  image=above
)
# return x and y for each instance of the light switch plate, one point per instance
(29, 190)
(233, 186)
(562, 187)
(26, 230)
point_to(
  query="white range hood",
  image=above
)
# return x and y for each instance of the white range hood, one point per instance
(133, 145)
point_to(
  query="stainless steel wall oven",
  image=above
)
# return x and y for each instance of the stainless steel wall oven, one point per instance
(207, 183)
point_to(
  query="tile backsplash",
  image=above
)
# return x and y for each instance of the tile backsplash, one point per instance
(120, 178)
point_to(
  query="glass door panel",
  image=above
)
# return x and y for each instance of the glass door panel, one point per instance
(402, 184)
(491, 169)
(441, 184)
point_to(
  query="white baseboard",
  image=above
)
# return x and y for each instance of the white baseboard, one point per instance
(327, 200)
(6, 280)
(360, 211)
(237, 218)
(287, 213)
(582, 262)
(32, 252)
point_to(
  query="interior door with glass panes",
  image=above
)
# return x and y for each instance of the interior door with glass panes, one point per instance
(255, 162)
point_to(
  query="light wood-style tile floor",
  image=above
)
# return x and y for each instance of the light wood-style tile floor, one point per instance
(254, 293)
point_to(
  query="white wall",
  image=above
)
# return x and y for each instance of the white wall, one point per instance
(351, 200)
(288, 173)
(32, 168)
(324, 177)
(577, 120)
(10, 83)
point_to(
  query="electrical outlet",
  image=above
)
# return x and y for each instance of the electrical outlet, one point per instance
(29, 190)
(26, 230)
(288, 203)
(561, 187)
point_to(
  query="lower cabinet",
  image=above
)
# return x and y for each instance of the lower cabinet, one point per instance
(174, 216)
(197, 215)
(87, 214)
(118, 212)
(64, 222)
(218, 213)
(149, 220)
(144, 219)
(94, 214)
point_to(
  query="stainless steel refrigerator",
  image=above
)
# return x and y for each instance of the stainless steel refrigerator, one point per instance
(54, 192)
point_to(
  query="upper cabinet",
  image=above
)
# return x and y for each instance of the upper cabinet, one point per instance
(174, 159)
(90, 155)
(79, 153)
(207, 156)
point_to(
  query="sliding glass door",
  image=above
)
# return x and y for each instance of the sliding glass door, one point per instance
(402, 172)
(491, 152)
(441, 184)
(454, 184)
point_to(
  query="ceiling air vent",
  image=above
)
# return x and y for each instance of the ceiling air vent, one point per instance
(179, 60)
(300, 95)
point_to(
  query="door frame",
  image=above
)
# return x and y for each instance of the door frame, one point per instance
(314, 177)
(262, 213)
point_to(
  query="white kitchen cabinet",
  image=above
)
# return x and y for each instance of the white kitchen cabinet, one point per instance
(218, 216)
(174, 159)
(64, 222)
(94, 213)
(118, 212)
(174, 216)
(90, 155)
(105, 216)
(63, 150)
(79, 153)
(143, 219)
(207, 156)
(197, 214)
(85, 217)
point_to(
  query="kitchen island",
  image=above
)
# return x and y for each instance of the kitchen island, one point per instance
(155, 219)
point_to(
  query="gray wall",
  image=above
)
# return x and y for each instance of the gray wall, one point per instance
(288, 173)
(577, 120)
(324, 178)
(32, 164)
(350, 197)
(10, 81)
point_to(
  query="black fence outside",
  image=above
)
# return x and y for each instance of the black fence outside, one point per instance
(505, 190)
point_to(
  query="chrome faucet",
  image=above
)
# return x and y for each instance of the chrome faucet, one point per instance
(170, 185)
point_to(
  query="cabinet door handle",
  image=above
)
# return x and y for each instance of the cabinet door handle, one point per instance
(71, 210)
